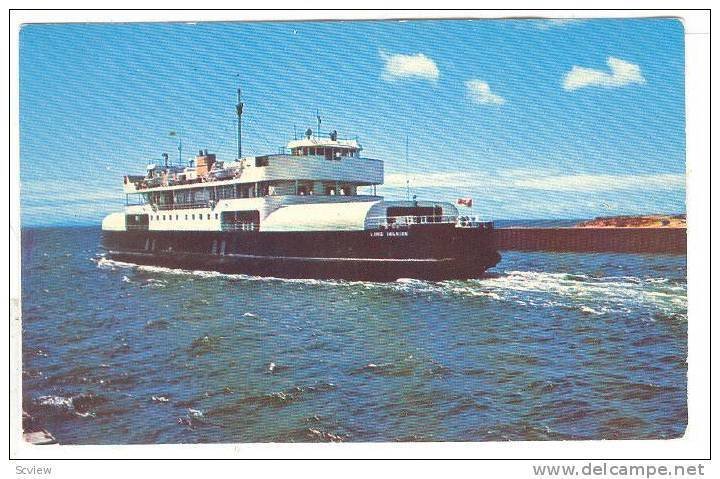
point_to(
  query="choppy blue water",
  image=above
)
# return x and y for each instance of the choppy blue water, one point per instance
(547, 346)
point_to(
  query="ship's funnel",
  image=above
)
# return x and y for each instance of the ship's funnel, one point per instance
(204, 162)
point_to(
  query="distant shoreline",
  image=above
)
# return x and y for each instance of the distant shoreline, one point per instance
(636, 221)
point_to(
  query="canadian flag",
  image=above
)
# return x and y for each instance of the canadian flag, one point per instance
(465, 202)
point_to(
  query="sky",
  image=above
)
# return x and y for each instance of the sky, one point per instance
(533, 119)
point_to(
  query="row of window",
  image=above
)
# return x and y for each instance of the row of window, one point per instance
(327, 152)
(199, 197)
(192, 216)
(204, 195)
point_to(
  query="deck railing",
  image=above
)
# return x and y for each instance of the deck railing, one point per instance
(240, 227)
(465, 221)
(181, 206)
(399, 222)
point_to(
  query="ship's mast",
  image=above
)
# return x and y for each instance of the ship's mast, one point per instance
(239, 110)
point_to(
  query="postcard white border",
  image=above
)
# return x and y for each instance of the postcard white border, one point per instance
(693, 445)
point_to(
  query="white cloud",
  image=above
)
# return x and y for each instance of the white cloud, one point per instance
(430, 180)
(479, 92)
(663, 181)
(621, 73)
(417, 66)
(527, 179)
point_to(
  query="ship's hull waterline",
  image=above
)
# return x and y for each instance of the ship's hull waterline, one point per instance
(432, 252)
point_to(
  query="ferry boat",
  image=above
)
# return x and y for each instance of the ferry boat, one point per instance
(294, 214)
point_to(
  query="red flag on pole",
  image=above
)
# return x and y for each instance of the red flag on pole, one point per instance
(465, 202)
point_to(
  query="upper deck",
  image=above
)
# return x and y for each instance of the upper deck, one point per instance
(311, 159)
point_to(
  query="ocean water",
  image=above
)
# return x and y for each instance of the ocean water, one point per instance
(547, 346)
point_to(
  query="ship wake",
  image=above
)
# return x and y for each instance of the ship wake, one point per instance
(587, 294)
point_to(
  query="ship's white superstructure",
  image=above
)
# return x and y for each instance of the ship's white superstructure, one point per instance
(198, 197)
(309, 210)
(315, 184)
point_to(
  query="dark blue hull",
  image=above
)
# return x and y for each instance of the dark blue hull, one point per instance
(432, 252)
